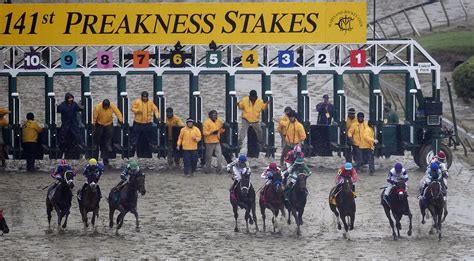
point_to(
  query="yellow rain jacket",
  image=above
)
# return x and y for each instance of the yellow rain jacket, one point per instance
(210, 126)
(186, 138)
(174, 121)
(283, 125)
(357, 131)
(295, 133)
(251, 112)
(104, 117)
(349, 123)
(3, 122)
(368, 140)
(30, 132)
(143, 110)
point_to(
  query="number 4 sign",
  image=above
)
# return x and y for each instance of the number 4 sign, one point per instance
(358, 58)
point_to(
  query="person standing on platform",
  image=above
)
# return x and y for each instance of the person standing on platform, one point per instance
(356, 134)
(104, 128)
(325, 111)
(70, 132)
(172, 121)
(189, 138)
(349, 121)
(295, 133)
(390, 116)
(142, 124)
(212, 130)
(282, 127)
(251, 107)
(30, 145)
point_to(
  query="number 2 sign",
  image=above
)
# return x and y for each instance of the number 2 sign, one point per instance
(358, 58)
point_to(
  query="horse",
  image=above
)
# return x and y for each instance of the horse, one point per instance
(297, 201)
(271, 197)
(345, 206)
(398, 204)
(3, 224)
(89, 202)
(244, 197)
(126, 200)
(59, 197)
(435, 203)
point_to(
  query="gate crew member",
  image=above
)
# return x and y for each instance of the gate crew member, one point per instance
(349, 121)
(390, 116)
(70, 124)
(3, 123)
(251, 107)
(212, 131)
(142, 124)
(325, 111)
(30, 132)
(104, 128)
(367, 147)
(189, 138)
(172, 121)
(295, 133)
(356, 134)
(282, 126)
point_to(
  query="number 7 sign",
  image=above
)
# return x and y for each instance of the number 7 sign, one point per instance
(358, 58)
(141, 59)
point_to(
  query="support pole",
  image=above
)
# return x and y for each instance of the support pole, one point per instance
(267, 117)
(194, 112)
(160, 102)
(86, 101)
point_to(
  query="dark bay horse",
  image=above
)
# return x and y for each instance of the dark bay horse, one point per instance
(297, 201)
(435, 203)
(60, 199)
(271, 197)
(244, 198)
(345, 207)
(3, 224)
(398, 204)
(126, 200)
(89, 202)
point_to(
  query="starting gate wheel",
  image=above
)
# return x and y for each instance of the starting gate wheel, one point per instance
(426, 153)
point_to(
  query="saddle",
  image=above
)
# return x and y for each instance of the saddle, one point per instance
(51, 191)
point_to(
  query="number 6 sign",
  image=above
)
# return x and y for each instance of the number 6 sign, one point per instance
(105, 59)
(358, 58)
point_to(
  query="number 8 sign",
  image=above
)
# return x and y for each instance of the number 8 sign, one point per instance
(105, 59)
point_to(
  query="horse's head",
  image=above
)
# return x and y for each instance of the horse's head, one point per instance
(93, 186)
(138, 183)
(301, 181)
(3, 224)
(347, 183)
(69, 178)
(400, 190)
(277, 181)
(245, 183)
(434, 190)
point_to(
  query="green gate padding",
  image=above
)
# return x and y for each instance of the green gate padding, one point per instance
(320, 140)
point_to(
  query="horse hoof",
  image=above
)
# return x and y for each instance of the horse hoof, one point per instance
(409, 233)
(423, 222)
(137, 229)
(236, 230)
(344, 235)
(64, 226)
(395, 237)
(431, 232)
(339, 226)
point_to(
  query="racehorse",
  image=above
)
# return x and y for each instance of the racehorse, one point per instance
(398, 204)
(244, 197)
(125, 200)
(271, 197)
(435, 203)
(89, 202)
(3, 224)
(59, 197)
(297, 201)
(345, 206)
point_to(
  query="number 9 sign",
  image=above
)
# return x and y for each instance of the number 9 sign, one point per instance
(68, 60)
(105, 59)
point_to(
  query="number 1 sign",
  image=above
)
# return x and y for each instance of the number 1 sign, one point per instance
(358, 58)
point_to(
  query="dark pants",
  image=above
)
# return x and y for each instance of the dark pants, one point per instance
(367, 157)
(356, 154)
(144, 129)
(103, 139)
(29, 151)
(190, 159)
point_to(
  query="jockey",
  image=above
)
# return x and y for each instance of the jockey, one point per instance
(292, 173)
(441, 160)
(130, 170)
(58, 174)
(93, 171)
(269, 172)
(238, 167)
(344, 171)
(394, 175)
(432, 173)
(293, 155)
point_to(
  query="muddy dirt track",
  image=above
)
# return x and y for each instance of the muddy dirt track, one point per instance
(191, 217)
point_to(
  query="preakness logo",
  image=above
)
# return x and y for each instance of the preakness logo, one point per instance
(346, 21)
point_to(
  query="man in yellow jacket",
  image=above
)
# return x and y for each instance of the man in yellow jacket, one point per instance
(3, 124)
(282, 126)
(142, 124)
(356, 135)
(251, 107)
(367, 147)
(189, 138)
(212, 130)
(30, 132)
(104, 128)
(349, 121)
(172, 121)
(295, 133)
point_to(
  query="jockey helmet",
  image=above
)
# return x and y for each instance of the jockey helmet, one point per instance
(133, 165)
(299, 161)
(348, 166)
(398, 167)
(242, 158)
(434, 166)
(63, 162)
(297, 150)
(92, 162)
(441, 155)
(272, 166)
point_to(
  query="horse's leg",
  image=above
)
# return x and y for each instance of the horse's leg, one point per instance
(120, 219)
(49, 209)
(398, 217)
(262, 211)
(445, 208)
(111, 216)
(254, 216)
(336, 213)
(137, 223)
(300, 216)
(439, 218)
(409, 227)
(297, 221)
(423, 213)
(387, 213)
(65, 218)
(236, 215)
(289, 217)
(346, 227)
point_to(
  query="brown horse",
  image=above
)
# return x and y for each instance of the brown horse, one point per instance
(345, 207)
(89, 202)
(271, 197)
(126, 200)
(398, 205)
(61, 199)
(434, 201)
(244, 198)
(297, 201)
(3, 224)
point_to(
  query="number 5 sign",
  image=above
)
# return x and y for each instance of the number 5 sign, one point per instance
(358, 58)
(213, 59)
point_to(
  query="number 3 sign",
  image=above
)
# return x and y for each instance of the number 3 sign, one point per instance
(358, 58)
(105, 59)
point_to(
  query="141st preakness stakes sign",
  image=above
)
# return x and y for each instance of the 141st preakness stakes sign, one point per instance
(189, 23)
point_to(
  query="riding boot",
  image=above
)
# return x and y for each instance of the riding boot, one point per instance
(81, 192)
(100, 192)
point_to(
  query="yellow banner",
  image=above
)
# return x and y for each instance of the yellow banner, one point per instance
(189, 23)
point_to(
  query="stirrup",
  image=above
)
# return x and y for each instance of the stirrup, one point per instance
(354, 195)
(333, 200)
